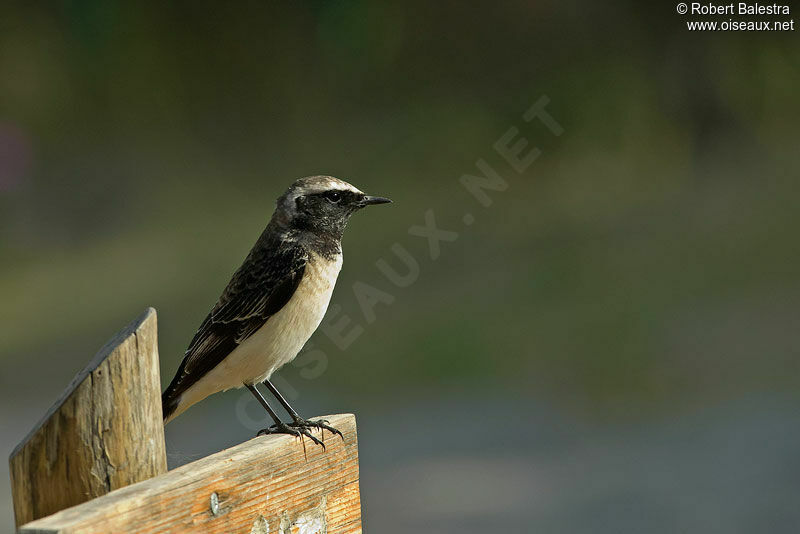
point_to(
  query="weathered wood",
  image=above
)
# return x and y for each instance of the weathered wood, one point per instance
(104, 432)
(263, 485)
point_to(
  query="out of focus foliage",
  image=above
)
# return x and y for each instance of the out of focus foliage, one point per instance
(646, 261)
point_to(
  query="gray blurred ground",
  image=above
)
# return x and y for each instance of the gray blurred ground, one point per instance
(500, 464)
(459, 465)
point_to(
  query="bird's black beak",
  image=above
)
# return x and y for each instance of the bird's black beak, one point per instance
(368, 200)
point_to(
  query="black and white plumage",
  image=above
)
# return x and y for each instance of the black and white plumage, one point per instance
(275, 300)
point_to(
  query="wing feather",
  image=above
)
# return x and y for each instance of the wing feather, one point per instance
(263, 284)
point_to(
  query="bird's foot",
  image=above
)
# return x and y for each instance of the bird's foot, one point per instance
(292, 430)
(321, 424)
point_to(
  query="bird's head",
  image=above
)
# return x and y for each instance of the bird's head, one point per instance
(321, 204)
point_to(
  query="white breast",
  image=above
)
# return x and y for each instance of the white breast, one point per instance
(279, 340)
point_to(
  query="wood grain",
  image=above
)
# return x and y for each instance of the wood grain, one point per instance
(104, 432)
(265, 485)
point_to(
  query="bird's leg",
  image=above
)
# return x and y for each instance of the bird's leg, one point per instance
(297, 421)
(280, 427)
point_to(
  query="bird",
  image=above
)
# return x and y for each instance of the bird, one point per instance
(273, 303)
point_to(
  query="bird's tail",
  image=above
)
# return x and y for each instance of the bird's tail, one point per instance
(171, 398)
(169, 404)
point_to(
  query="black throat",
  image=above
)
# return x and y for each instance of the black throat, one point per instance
(319, 234)
(326, 245)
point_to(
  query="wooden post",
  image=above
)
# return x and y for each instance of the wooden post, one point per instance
(103, 433)
(96, 463)
(265, 485)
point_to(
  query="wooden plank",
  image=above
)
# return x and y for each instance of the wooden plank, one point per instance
(265, 485)
(104, 432)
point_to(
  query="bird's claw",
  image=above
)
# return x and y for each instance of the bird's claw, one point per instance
(321, 424)
(293, 430)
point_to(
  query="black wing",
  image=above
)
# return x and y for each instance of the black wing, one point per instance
(259, 288)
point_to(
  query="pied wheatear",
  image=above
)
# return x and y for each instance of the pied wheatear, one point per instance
(273, 303)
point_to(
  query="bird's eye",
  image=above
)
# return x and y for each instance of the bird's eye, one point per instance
(333, 196)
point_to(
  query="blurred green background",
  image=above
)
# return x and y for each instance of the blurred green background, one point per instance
(610, 347)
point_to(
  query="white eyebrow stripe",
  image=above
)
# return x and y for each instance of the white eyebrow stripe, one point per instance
(342, 186)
